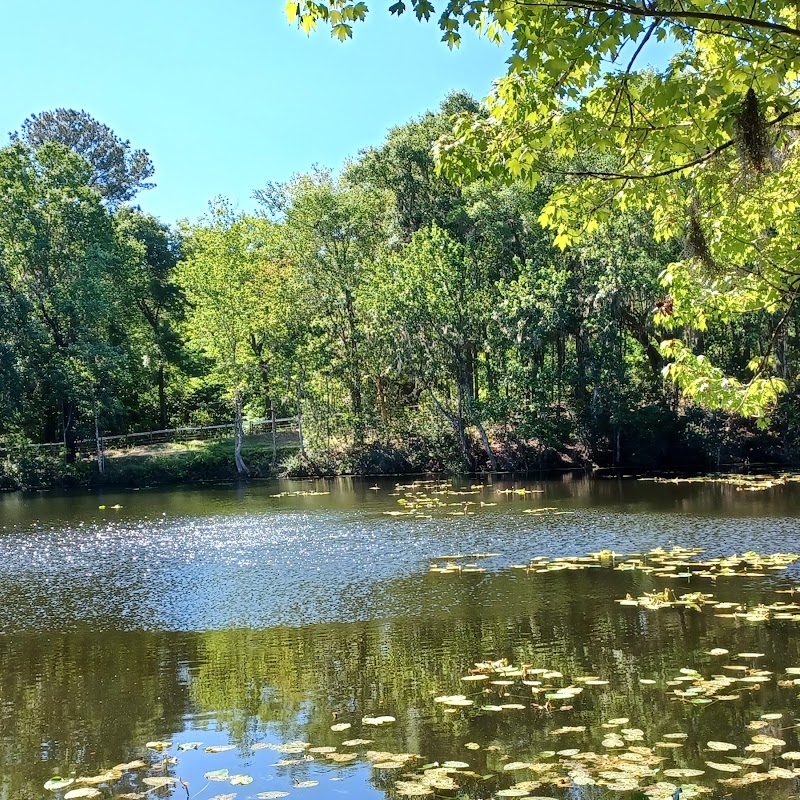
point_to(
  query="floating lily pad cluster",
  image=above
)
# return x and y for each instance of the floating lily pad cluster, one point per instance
(625, 761)
(678, 562)
(423, 499)
(697, 601)
(501, 687)
(154, 773)
(743, 483)
(301, 493)
(447, 565)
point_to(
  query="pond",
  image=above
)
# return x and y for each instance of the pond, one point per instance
(296, 629)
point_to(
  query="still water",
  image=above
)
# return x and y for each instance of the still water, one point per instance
(232, 616)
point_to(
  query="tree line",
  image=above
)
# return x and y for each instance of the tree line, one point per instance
(389, 305)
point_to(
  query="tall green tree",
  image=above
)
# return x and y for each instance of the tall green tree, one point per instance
(59, 266)
(333, 233)
(217, 275)
(431, 299)
(152, 253)
(118, 172)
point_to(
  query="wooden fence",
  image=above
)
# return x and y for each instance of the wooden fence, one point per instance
(286, 435)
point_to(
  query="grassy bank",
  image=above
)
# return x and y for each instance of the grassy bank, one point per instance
(206, 461)
(190, 462)
(434, 450)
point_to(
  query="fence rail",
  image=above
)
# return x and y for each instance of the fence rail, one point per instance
(286, 429)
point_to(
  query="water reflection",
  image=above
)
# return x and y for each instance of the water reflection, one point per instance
(220, 616)
(80, 702)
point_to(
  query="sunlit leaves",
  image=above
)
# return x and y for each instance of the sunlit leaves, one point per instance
(671, 142)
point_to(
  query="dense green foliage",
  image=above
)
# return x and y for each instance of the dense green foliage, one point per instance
(705, 146)
(117, 172)
(410, 321)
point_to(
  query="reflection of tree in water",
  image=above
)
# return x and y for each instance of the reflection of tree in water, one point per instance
(88, 699)
(397, 667)
(96, 698)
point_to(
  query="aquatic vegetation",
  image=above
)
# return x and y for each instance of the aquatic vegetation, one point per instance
(743, 483)
(676, 563)
(301, 493)
(87, 791)
(57, 782)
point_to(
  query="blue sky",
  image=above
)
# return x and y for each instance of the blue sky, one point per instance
(226, 95)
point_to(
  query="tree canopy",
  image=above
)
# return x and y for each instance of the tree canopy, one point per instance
(410, 318)
(118, 172)
(704, 145)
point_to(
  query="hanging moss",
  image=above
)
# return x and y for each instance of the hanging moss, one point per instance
(696, 242)
(752, 135)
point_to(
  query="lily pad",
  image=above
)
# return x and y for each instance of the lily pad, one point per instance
(720, 746)
(412, 789)
(683, 773)
(770, 740)
(109, 776)
(217, 775)
(342, 758)
(157, 782)
(137, 764)
(57, 782)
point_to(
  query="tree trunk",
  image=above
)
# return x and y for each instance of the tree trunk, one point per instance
(68, 428)
(354, 379)
(460, 425)
(639, 328)
(380, 397)
(457, 423)
(473, 417)
(98, 440)
(274, 435)
(238, 436)
(300, 419)
(486, 446)
(162, 398)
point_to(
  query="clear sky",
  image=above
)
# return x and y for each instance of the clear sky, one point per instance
(226, 95)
